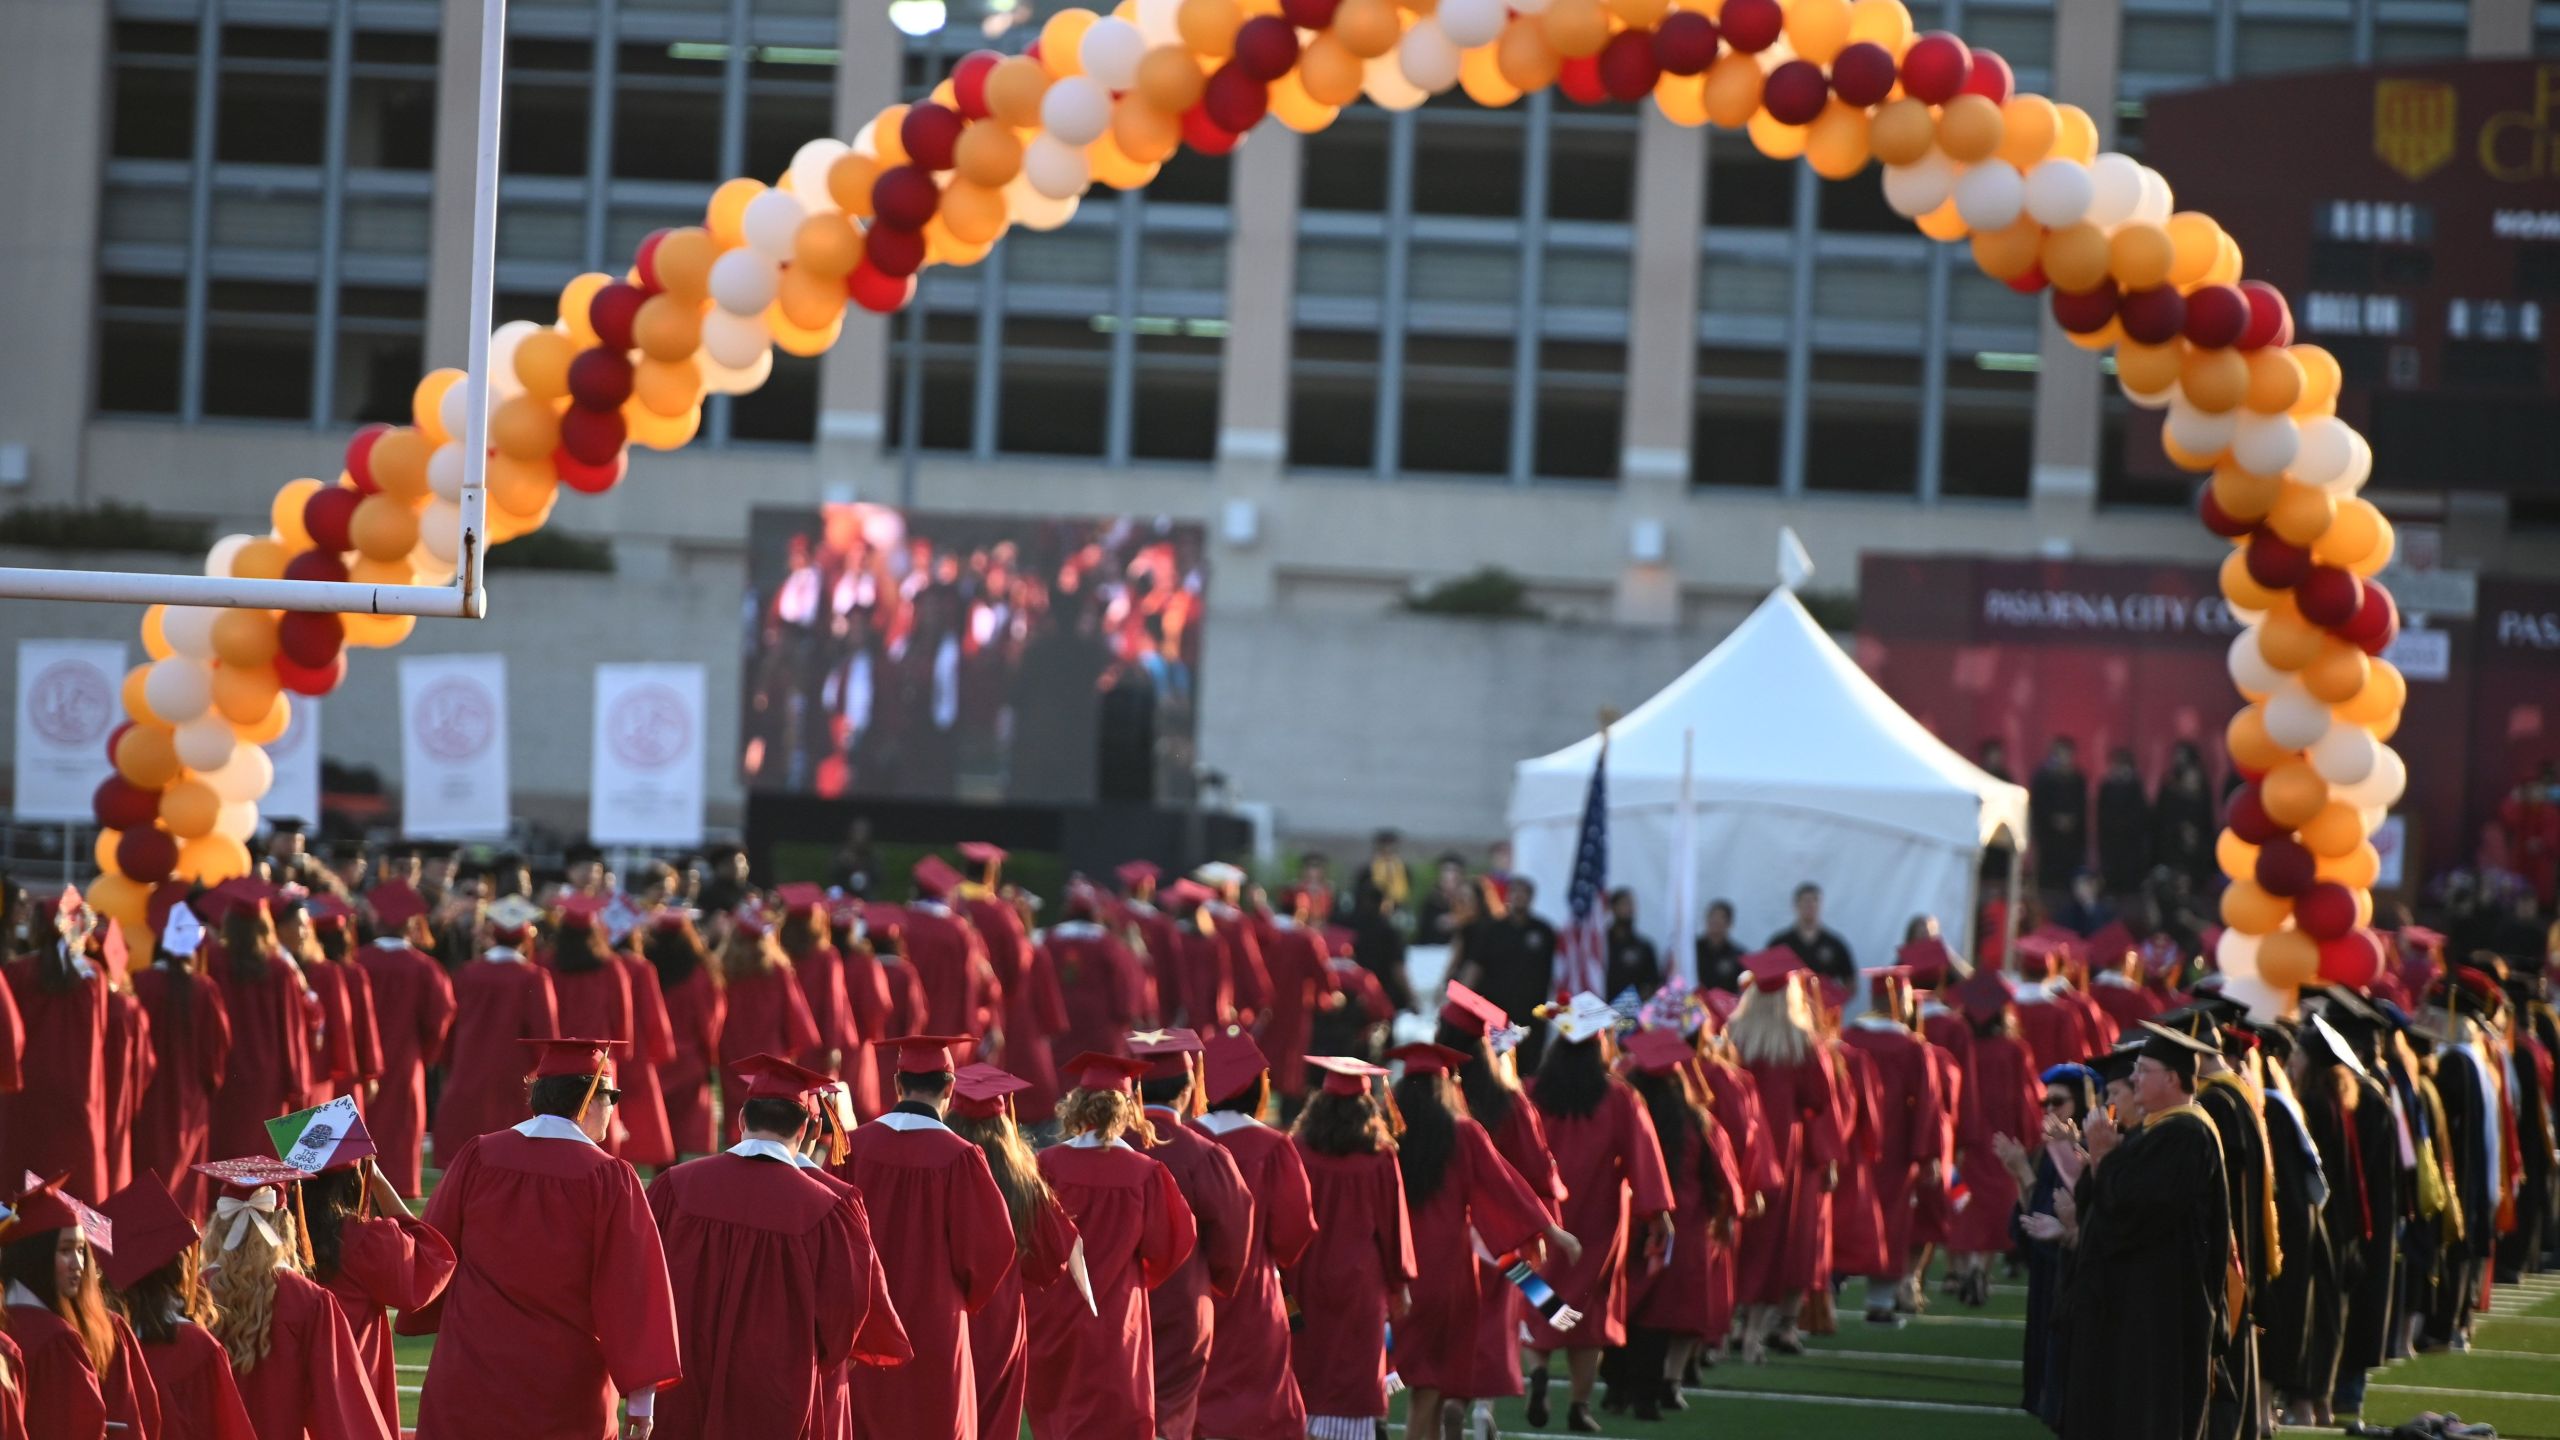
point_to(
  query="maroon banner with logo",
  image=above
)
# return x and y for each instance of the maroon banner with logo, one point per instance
(2516, 696)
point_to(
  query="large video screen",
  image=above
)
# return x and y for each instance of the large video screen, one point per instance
(981, 658)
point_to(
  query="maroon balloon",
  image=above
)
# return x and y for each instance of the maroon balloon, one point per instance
(2330, 597)
(2353, 960)
(2085, 312)
(876, 292)
(644, 261)
(2275, 562)
(1795, 93)
(2270, 319)
(2216, 316)
(1991, 78)
(2154, 316)
(929, 132)
(2326, 911)
(904, 197)
(593, 436)
(969, 82)
(612, 312)
(310, 679)
(894, 251)
(2248, 818)
(1628, 70)
(2218, 520)
(2377, 621)
(1309, 14)
(325, 516)
(147, 855)
(2286, 867)
(310, 638)
(321, 565)
(600, 379)
(120, 804)
(589, 479)
(1752, 26)
(359, 466)
(1686, 43)
(1205, 135)
(1863, 74)
(1267, 47)
(1935, 68)
(1235, 101)
(1580, 81)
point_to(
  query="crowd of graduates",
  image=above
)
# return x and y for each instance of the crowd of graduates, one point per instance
(1160, 1168)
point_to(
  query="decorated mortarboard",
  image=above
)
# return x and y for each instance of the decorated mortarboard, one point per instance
(1231, 1064)
(1219, 876)
(67, 906)
(1167, 1051)
(1344, 1075)
(252, 1172)
(44, 1205)
(935, 878)
(1136, 873)
(619, 917)
(800, 895)
(150, 1228)
(1584, 1018)
(1774, 968)
(1985, 995)
(980, 1091)
(1094, 1070)
(750, 920)
(580, 912)
(926, 1054)
(770, 1077)
(2176, 1049)
(1425, 1058)
(184, 933)
(395, 903)
(2325, 1043)
(324, 1137)
(259, 1206)
(980, 852)
(1660, 1052)
(246, 891)
(1188, 892)
(514, 913)
(1674, 1007)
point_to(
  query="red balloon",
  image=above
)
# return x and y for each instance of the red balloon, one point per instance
(1863, 74)
(593, 436)
(904, 197)
(2330, 597)
(1234, 102)
(589, 479)
(880, 293)
(1579, 79)
(2085, 312)
(1795, 93)
(894, 251)
(2031, 282)
(1267, 47)
(644, 261)
(2219, 520)
(147, 855)
(312, 680)
(1686, 43)
(969, 82)
(326, 514)
(1309, 14)
(1752, 26)
(1205, 135)
(1936, 67)
(1991, 78)
(612, 312)
(2277, 563)
(1627, 67)
(2353, 960)
(2216, 316)
(359, 466)
(120, 804)
(600, 379)
(2377, 621)
(310, 638)
(2155, 316)
(929, 132)
(2248, 818)
(321, 565)
(2325, 911)
(2270, 319)
(2286, 867)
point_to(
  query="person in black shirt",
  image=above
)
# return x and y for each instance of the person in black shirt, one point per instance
(1509, 957)
(1823, 952)
(2058, 801)
(2183, 822)
(1634, 963)
(1719, 958)
(2124, 826)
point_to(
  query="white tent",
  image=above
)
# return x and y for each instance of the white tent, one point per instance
(1804, 769)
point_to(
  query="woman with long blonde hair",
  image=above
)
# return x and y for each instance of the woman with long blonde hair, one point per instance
(297, 1363)
(1784, 1247)
(1044, 1240)
(765, 1014)
(156, 1283)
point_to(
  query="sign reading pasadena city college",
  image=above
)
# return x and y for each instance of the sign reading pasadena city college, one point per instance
(453, 746)
(295, 794)
(68, 701)
(646, 786)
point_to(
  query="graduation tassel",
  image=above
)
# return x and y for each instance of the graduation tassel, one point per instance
(302, 1230)
(837, 1142)
(595, 1082)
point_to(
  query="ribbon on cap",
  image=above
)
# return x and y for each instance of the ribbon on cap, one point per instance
(239, 1213)
(1503, 1039)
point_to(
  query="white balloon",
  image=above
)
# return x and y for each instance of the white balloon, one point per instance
(430, 570)
(1428, 56)
(743, 281)
(245, 776)
(1915, 189)
(2115, 189)
(2296, 718)
(2247, 616)
(1111, 50)
(207, 743)
(2201, 432)
(2157, 199)
(1055, 167)
(866, 141)
(2346, 755)
(2157, 400)
(2382, 788)
(721, 379)
(189, 629)
(2237, 956)
(1383, 81)
(2059, 193)
(453, 410)
(1470, 23)
(2372, 816)
(1157, 21)
(440, 530)
(445, 471)
(2265, 444)
(809, 167)
(239, 820)
(2328, 447)
(1034, 211)
(2359, 468)
(503, 343)
(217, 561)
(734, 341)
(1075, 111)
(2266, 1003)
(2251, 675)
(1989, 195)
(771, 222)
(178, 689)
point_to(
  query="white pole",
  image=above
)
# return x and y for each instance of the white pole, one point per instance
(484, 272)
(1682, 961)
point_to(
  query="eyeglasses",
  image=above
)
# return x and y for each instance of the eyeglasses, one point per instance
(2054, 1103)
(608, 1095)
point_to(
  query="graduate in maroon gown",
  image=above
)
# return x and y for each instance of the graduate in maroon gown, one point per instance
(2056, 1031)
(373, 1257)
(325, 946)
(2005, 1098)
(1611, 1163)
(1240, 954)
(883, 1340)
(773, 1274)
(1464, 1203)
(1291, 941)
(1198, 987)
(1733, 1097)
(1045, 1242)
(154, 1273)
(1671, 1311)
(1911, 1129)
(1356, 1279)
(1933, 976)
(2116, 985)
(1103, 985)
(866, 993)
(413, 1004)
(1856, 1235)
(590, 994)
(1154, 936)
(191, 1031)
(131, 1060)
(1033, 1009)
(884, 933)
(1182, 1311)
(645, 1136)
(1475, 1026)
(808, 943)
(950, 959)
(764, 1011)
(296, 1362)
(696, 1009)
(1092, 1362)
(560, 1303)
(500, 1001)
(945, 1238)
(57, 1125)
(80, 1370)
(1250, 1390)
(1782, 1249)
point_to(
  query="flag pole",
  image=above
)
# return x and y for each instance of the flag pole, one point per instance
(1684, 867)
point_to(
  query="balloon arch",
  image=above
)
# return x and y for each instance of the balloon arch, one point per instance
(1106, 99)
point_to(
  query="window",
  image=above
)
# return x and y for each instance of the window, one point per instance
(257, 351)
(155, 91)
(544, 130)
(1987, 444)
(1457, 405)
(141, 343)
(1862, 434)
(272, 107)
(950, 381)
(1056, 387)
(1735, 439)
(1333, 399)
(1746, 189)
(667, 115)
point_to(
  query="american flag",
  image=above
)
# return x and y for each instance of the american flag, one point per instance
(1583, 950)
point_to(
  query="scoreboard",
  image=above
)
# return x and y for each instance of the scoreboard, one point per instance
(2412, 216)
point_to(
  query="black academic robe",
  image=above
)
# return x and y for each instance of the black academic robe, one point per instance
(2246, 1174)
(2470, 1124)
(2146, 1304)
(2058, 813)
(2183, 826)
(2297, 1310)
(2360, 1150)
(2124, 833)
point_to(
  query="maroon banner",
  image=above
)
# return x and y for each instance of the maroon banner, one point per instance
(2515, 728)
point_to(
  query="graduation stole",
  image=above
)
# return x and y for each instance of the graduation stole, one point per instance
(2235, 1279)
(2257, 1104)
(1394, 888)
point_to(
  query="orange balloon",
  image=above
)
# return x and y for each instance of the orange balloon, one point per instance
(1114, 167)
(244, 696)
(137, 704)
(1209, 26)
(671, 387)
(1061, 39)
(988, 154)
(381, 572)
(2150, 369)
(1902, 131)
(975, 213)
(1144, 133)
(2195, 243)
(2138, 254)
(147, 756)
(811, 301)
(2251, 910)
(383, 529)
(521, 487)
(398, 463)
(542, 364)
(2238, 586)
(2288, 960)
(1369, 28)
(1171, 80)
(726, 216)
(524, 427)
(2321, 378)
(2293, 793)
(2357, 869)
(849, 182)
(1732, 92)
(2288, 642)
(248, 637)
(426, 404)
(2338, 675)
(2010, 251)
(1576, 28)
(1775, 138)
(888, 136)
(2177, 454)
(2384, 692)
(189, 809)
(1014, 88)
(580, 293)
(664, 432)
(1818, 30)
(2335, 831)
(2275, 381)
(2244, 495)
(1942, 223)
(682, 262)
(260, 560)
(1331, 73)
(794, 339)
(2028, 127)
(2075, 257)
(2077, 136)
(1881, 22)
(2301, 513)
(1682, 99)
(2355, 528)
(2214, 381)
(212, 859)
(1292, 106)
(668, 328)
(1836, 141)
(285, 514)
(2246, 738)
(1970, 128)
(1480, 75)
(2237, 857)
(2107, 337)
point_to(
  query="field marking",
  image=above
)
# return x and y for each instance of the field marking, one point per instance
(2448, 1390)
(1830, 1355)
